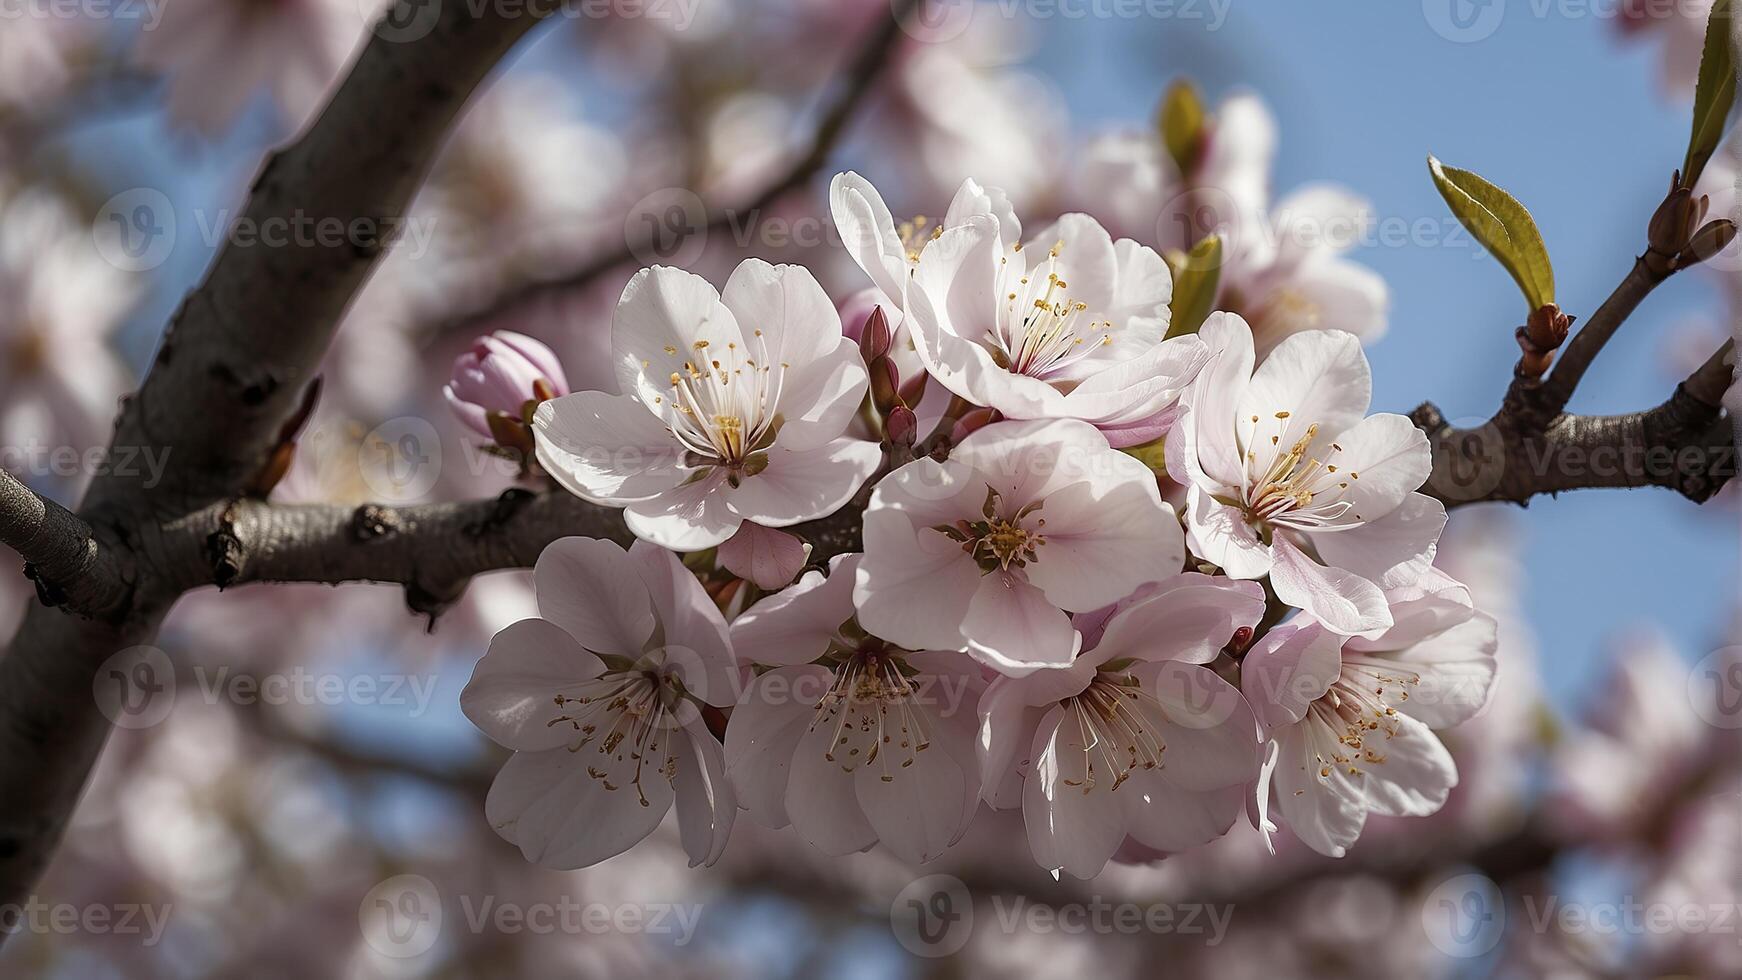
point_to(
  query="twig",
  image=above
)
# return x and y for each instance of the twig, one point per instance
(855, 86)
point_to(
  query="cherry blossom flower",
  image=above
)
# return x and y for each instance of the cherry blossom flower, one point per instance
(733, 408)
(1287, 479)
(218, 53)
(1135, 738)
(849, 738)
(600, 700)
(495, 379)
(1074, 332)
(1351, 719)
(986, 551)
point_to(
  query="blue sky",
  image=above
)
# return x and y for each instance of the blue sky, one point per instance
(1568, 117)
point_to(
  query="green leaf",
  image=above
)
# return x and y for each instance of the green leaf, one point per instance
(1152, 454)
(1502, 225)
(1713, 95)
(1196, 277)
(1182, 124)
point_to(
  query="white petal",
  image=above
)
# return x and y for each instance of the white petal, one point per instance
(1172, 820)
(820, 797)
(971, 199)
(691, 517)
(561, 815)
(512, 694)
(1417, 773)
(1007, 727)
(1290, 668)
(819, 399)
(697, 644)
(590, 588)
(1013, 627)
(706, 806)
(764, 735)
(796, 625)
(1189, 617)
(1451, 674)
(1345, 602)
(604, 448)
(868, 231)
(1209, 431)
(914, 584)
(661, 316)
(1314, 797)
(1380, 462)
(803, 486)
(1219, 534)
(1071, 826)
(1317, 377)
(1392, 550)
(1100, 547)
(915, 807)
(797, 320)
(1209, 732)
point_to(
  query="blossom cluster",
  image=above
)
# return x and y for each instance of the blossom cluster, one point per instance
(1133, 581)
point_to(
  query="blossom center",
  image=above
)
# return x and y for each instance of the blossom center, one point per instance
(998, 542)
(1040, 330)
(624, 719)
(723, 404)
(876, 716)
(1118, 724)
(1298, 488)
(1356, 707)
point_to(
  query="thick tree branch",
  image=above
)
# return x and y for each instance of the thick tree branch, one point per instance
(227, 375)
(853, 87)
(1684, 444)
(431, 549)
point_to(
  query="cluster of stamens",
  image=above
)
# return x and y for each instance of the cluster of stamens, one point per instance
(1117, 724)
(723, 404)
(1355, 707)
(997, 542)
(1040, 330)
(915, 236)
(1294, 480)
(625, 718)
(875, 717)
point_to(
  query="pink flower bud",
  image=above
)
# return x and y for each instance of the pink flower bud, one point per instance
(501, 373)
(856, 308)
(902, 427)
(874, 337)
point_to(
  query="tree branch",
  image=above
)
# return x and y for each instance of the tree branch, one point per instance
(226, 376)
(854, 86)
(431, 549)
(1589, 341)
(1684, 444)
(61, 554)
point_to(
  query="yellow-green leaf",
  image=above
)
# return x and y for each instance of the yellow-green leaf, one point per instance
(1182, 124)
(1713, 95)
(1152, 454)
(1502, 225)
(1196, 276)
